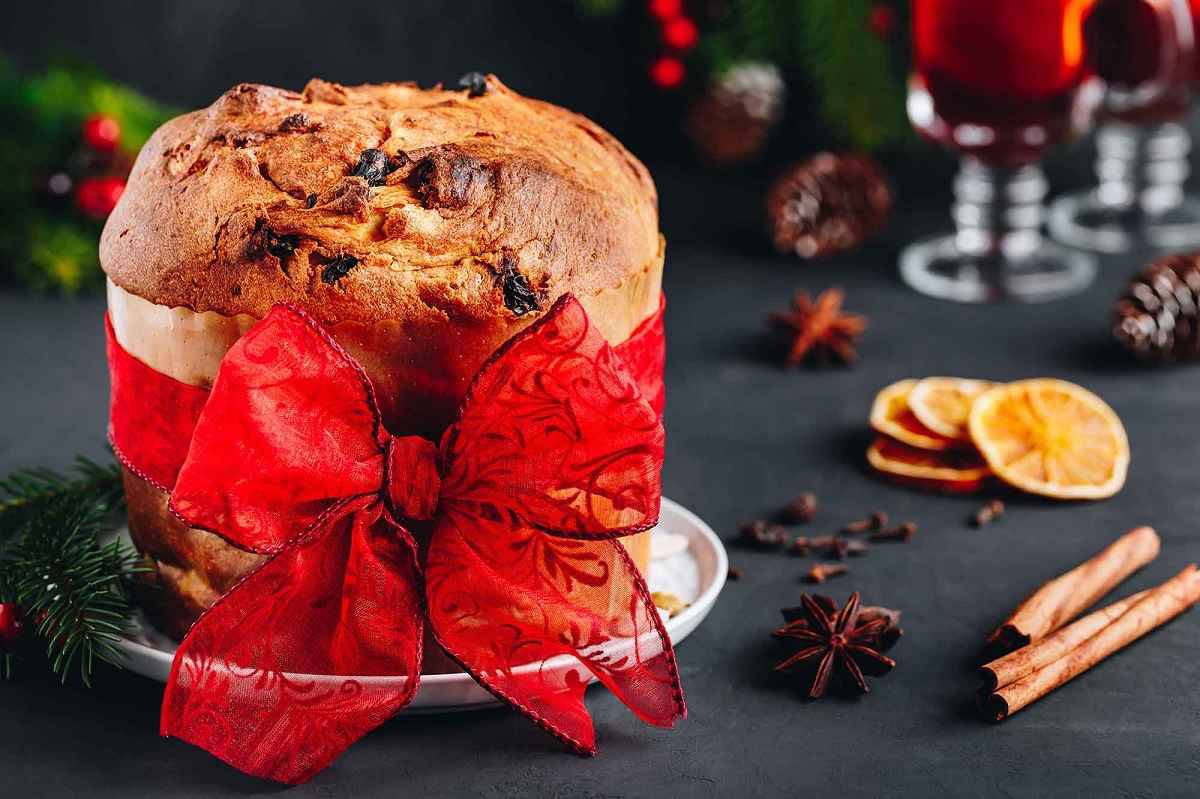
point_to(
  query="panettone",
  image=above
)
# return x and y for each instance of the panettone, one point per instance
(423, 228)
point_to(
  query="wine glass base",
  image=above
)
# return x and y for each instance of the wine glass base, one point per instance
(1081, 220)
(937, 268)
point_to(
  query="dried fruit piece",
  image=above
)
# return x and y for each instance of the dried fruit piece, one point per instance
(1052, 438)
(297, 123)
(475, 84)
(281, 246)
(954, 471)
(891, 416)
(519, 296)
(338, 268)
(943, 404)
(374, 166)
(665, 600)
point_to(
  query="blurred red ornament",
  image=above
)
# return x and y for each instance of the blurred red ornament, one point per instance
(11, 625)
(881, 20)
(667, 72)
(97, 197)
(680, 33)
(101, 132)
(666, 9)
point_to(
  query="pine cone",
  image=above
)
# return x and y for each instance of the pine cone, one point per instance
(828, 203)
(1158, 316)
(733, 120)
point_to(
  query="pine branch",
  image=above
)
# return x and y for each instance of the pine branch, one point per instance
(24, 494)
(852, 71)
(70, 583)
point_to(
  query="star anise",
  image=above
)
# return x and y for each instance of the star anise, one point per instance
(819, 328)
(851, 638)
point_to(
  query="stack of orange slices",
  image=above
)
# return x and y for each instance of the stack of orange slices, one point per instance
(1043, 436)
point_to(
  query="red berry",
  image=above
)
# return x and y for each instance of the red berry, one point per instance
(97, 197)
(881, 20)
(667, 72)
(680, 33)
(11, 625)
(666, 9)
(101, 132)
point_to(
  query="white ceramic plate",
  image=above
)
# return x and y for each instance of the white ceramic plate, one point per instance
(695, 573)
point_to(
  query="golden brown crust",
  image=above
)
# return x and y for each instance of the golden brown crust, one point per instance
(480, 183)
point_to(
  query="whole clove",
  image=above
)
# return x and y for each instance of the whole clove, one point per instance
(873, 523)
(820, 572)
(836, 546)
(901, 532)
(988, 513)
(734, 573)
(761, 534)
(801, 510)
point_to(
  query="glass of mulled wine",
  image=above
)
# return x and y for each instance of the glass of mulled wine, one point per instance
(1143, 52)
(997, 81)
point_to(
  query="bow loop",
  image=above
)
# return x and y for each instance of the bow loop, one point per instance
(412, 481)
(555, 430)
(290, 432)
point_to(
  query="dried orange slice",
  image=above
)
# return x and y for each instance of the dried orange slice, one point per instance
(943, 404)
(953, 470)
(891, 416)
(1052, 438)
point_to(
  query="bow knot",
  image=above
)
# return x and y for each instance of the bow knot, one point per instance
(411, 477)
(556, 453)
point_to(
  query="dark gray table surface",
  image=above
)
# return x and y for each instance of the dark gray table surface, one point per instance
(743, 437)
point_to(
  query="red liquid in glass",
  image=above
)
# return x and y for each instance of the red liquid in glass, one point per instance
(1195, 9)
(997, 78)
(1144, 51)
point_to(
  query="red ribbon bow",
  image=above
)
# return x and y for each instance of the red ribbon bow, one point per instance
(554, 456)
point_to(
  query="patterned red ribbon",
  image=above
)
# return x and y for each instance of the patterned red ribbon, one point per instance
(556, 453)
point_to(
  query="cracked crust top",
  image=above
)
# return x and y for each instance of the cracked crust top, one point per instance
(380, 202)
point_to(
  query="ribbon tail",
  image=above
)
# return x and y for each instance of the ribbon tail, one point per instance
(531, 616)
(310, 652)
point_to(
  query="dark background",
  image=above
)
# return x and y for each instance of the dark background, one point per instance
(743, 437)
(188, 53)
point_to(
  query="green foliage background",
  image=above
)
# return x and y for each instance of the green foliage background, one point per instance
(857, 77)
(46, 244)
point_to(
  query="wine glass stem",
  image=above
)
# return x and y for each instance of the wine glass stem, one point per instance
(998, 210)
(1142, 167)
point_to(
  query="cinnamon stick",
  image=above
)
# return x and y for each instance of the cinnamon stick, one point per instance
(1155, 608)
(1015, 665)
(1064, 597)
